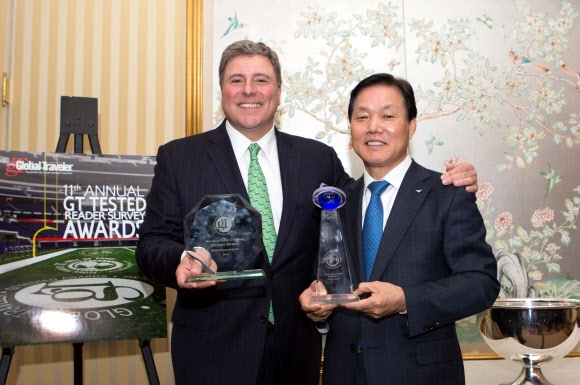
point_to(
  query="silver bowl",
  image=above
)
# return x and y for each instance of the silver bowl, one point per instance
(531, 331)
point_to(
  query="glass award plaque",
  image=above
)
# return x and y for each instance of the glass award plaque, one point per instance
(334, 280)
(231, 230)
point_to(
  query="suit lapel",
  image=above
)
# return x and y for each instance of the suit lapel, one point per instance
(351, 220)
(414, 189)
(290, 174)
(222, 155)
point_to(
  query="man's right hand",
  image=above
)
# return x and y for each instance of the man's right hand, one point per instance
(190, 267)
(316, 312)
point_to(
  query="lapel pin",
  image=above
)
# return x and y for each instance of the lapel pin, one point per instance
(419, 190)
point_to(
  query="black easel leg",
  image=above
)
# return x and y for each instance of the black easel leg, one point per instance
(78, 144)
(145, 346)
(62, 141)
(78, 363)
(95, 147)
(5, 363)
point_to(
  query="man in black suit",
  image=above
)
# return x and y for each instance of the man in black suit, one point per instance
(221, 332)
(430, 264)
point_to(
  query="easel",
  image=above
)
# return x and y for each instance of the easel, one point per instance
(79, 117)
(145, 345)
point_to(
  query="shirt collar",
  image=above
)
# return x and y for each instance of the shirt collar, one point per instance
(240, 142)
(395, 176)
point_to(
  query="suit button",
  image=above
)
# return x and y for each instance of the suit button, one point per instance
(263, 319)
(429, 328)
(274, 276)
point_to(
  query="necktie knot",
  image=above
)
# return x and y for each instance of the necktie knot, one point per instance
(378, 187)
(254, 148)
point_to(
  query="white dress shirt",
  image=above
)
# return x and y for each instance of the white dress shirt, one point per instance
(269, 162)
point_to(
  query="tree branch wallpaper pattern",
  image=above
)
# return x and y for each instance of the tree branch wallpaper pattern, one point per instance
(497, 85)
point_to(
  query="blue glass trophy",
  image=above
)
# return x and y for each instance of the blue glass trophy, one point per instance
(334, 280)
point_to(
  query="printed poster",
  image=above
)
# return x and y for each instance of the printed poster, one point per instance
(68, 230)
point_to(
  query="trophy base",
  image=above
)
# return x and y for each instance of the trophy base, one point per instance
(227, 276)
(329, 299)
(531, 373)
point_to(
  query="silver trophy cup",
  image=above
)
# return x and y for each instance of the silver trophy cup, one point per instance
(531, 331)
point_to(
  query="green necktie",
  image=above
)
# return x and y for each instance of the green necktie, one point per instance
(259, 198)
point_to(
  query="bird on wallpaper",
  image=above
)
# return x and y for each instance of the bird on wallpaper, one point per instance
(524, 61)
(552, 178)
(234, 24)
(571, 72)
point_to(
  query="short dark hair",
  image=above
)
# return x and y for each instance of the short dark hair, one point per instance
(249, 48)
(384, 79)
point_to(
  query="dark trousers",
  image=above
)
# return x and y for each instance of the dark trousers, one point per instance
(269, 373)
(359, 370)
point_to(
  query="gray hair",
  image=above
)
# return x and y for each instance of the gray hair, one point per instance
(249, 48)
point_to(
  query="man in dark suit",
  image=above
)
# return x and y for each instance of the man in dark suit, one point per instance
(429, 267)
(222, 333)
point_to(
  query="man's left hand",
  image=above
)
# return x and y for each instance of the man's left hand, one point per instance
(385, 299)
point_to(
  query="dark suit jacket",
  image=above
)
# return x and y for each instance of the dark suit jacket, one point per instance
(219, 333)
(433, 246)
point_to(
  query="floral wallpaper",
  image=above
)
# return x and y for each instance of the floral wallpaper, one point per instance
(497, 84)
